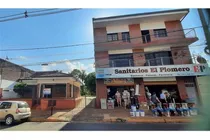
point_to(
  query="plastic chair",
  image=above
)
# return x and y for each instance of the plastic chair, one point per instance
(154, 110)
(193, 110)
(186, 110)
(172, 108)
(159, 107)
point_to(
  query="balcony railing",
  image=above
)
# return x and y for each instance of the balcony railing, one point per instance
(175, 34)
(121, 63)
(149, 62)
(159, 61)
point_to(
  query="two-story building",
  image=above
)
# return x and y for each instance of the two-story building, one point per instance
(145, 50)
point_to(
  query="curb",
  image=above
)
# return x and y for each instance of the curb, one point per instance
(45, 120)
(152, 120)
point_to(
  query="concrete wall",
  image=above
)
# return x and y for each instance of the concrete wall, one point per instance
(61, 103)
(101, 92)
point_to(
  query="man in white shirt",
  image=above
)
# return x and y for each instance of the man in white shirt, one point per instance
(163, 97)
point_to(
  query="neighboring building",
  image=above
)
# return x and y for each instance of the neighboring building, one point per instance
(149, 49)
(53, 85)
(9, 74)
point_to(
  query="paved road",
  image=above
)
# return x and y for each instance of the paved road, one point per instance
(124, 127)
(56, 126)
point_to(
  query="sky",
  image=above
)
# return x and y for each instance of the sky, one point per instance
(67, 28)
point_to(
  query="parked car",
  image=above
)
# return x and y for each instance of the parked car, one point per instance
(11, 111)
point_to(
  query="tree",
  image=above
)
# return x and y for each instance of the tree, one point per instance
(90, 82)
(79, 74)
(83, 75)
(20, 88)
(76, 73)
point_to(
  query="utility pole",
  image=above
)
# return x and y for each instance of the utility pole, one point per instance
(205, 20)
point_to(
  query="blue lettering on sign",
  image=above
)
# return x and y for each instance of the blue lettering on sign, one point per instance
(100, 76)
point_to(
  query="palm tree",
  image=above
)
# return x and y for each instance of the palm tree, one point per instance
(82, 75)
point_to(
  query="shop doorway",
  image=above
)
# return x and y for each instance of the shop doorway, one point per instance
(114, 89)
(170, 88)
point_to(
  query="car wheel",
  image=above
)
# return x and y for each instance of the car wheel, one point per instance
(9, 120)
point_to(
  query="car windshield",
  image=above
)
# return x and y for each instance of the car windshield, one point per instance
(23, 105)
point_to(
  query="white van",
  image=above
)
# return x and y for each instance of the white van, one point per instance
(11, 111)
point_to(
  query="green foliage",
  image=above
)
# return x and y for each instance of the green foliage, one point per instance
(90, 82)
(20, 88)
(89, 89)
(79, 74)
(76, 73)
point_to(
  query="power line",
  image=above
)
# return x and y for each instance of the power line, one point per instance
(99, 60)
(85, 44)
(76, 53)
(166, 49)
(27, 14)
(37, 11)
(22, 13)
(47, 55)
(63, 61)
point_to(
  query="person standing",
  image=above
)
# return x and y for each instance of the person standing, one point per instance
(148, 95)
(118, 97)
(125, 98)
(155, 99)
(163, 97)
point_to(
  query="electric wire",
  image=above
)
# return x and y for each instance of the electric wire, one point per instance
(95, 43)
(27, 14)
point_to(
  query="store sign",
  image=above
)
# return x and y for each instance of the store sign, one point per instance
(153, 71)
(47, 91)
(119, 81)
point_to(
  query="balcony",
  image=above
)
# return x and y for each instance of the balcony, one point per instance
(149, 62)
(121, 63)
(174, 38)
(159, 61)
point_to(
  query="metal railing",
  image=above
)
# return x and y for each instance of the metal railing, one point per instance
(174, 34)
(159, 61)
(121, 63)
(148, 62)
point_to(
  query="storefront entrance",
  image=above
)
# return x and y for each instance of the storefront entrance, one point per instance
(172, 89)
(114, 89)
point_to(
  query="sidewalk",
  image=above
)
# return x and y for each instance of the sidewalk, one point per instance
(98, 115)
(91, 114)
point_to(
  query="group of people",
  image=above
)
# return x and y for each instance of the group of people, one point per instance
(125, 98)
(165, 97)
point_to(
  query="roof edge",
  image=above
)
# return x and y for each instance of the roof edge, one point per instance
(141, 14)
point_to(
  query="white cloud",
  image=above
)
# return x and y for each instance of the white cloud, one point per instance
(23, 58)
(45, 68)
(81, 66)
(53, 64)
(69, 66)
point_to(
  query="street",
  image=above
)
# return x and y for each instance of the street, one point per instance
(66, 126)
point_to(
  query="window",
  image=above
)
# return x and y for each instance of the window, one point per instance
(121, 60)
(23, 105)
(158, 58)
(125, 37)
(160, 33)
(5, 105)
(112, 37)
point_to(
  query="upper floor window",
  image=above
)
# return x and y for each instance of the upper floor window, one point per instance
(160, 32)
(121, 60)
(125, 37)
(112, 37)
(158, 58)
